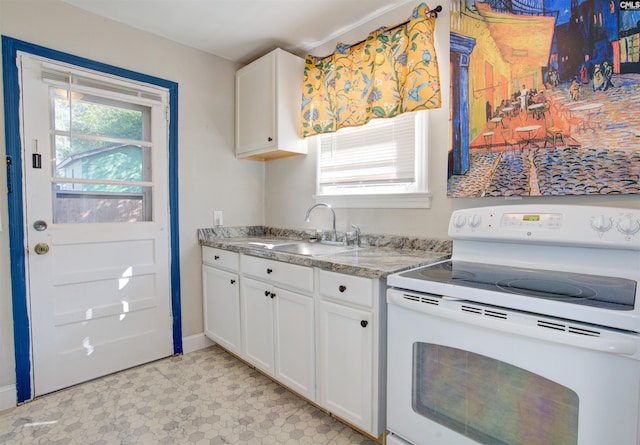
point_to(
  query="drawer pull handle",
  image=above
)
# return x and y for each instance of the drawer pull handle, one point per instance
(233, 281)
(216, 257)
(266, 293)
(364, 323)
(269, 271)
(342, 288)
(272, 295)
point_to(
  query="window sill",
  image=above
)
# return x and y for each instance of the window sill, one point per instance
(382, 201)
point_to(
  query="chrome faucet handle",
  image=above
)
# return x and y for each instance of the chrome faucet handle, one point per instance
(356, 232)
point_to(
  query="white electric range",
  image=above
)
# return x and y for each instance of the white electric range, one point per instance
(528, 334)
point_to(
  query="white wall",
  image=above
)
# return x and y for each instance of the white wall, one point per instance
(210, 177)
(289, 182)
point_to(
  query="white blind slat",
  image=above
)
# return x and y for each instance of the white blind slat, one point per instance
(383, 151)
(77, 80)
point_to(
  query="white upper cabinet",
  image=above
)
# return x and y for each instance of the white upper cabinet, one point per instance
(268, 101)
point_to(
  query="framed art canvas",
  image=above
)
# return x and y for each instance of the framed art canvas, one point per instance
(545, 98)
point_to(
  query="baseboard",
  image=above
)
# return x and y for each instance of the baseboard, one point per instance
(195, 342)
(7, 397)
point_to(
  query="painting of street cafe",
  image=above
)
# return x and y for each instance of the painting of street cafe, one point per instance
(545, 98)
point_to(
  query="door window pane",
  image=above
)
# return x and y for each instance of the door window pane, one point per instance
(491, 401)
(75, 203)
(93, 115)
(101, 173)
(101, 161)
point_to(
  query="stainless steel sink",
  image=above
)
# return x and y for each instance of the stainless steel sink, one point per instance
(301, 247)
(313, 249)
(272, 244)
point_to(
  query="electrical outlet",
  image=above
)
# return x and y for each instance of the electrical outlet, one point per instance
(217, 218)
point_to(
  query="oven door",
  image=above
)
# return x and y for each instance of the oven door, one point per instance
(467, 373)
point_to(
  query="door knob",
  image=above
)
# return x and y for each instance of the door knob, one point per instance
(41, 248)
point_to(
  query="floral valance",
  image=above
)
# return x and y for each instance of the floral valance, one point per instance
(394, 70)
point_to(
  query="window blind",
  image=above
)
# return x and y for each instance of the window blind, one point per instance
(380, 152)
(77, 80)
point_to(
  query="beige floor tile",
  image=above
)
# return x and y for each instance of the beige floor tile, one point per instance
(206, 397)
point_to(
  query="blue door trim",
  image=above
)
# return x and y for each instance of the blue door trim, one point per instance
(22, 342)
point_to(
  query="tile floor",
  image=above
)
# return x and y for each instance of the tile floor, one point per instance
(204, 397)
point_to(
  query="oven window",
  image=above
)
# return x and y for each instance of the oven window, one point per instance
(491, 401)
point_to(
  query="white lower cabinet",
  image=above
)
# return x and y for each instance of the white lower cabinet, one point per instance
(257, 324)
(345, 363)
(294, 342)
(278, 334)
(351, 356)
(221, 299)
(320, 333)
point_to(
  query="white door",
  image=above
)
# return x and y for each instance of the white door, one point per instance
(222, 308)
(294, 341)
(257, 323)
(346, 363)
(96, 222)
(255, 105)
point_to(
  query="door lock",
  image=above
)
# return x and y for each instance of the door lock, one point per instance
(40, 225)
(41, 248)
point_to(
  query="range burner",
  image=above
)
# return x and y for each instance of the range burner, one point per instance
(590, 290)
(545, 288)
(443, 272)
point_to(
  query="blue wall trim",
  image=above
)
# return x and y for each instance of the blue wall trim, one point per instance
(10, 47)
(15, 223)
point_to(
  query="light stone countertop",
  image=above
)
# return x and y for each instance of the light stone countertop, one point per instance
(378, 256)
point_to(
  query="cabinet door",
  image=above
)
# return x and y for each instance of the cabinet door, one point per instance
(221, 307)
(255, 105)
(345, 362)
(294, 337)
(257, 323)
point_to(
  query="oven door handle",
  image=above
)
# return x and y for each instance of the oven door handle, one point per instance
(451, 309)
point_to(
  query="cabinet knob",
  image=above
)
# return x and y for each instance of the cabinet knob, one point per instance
(270, 139)
(233, 281)
(272, 295)
(364, 323)
(216, 257)
(269, 271)
(342, 288)
(266, 293)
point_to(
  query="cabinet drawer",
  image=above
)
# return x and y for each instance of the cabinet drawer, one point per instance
(220, 258)
(277, 272)
(346, 288)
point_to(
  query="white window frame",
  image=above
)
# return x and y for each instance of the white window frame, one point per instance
(420, 197)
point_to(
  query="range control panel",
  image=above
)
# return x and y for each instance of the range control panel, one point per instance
(532, 220)
(558, 224)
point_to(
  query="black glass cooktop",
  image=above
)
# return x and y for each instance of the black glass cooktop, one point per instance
(589, 290)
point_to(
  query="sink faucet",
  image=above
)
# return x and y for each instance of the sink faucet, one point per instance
(333, 235)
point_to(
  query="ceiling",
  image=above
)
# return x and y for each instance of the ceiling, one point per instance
(242, 30)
